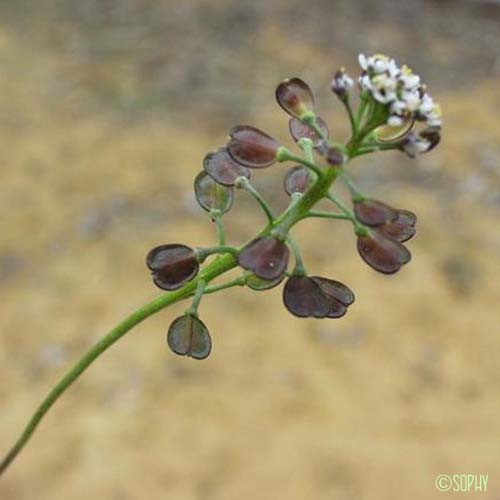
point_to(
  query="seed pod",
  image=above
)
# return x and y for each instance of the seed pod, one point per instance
(382, 254)
(266, 257)
(400, 229)
(373, 212)
(295, 97)
(386, 133)
(339, 295)
(172, 265)
(251, 147)
(433, 135)
(304, 298)
(297, 180)
(212, 195)
(222, 168)
(300, 130)
(258, 284)
(335, 157)
(188, 336)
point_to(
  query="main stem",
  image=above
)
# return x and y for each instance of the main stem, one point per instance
(220, 265)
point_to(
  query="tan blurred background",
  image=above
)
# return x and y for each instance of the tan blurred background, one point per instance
(107, 109)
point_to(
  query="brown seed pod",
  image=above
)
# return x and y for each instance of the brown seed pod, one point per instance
(251, 147)
(222, 168)
(295, 97)
(299, 130)
(266, 257)
(172, 265)
(297, 180)
(373, 212)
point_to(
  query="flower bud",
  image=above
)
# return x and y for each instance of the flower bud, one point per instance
(297, 180)
(382, 254)
(295, 97)
(223, 169)
(251, 147)
(300, 130)
(266, 257)
(172, 265)
(341, 83)
(211, 195)
(373, 212)
(188, 336)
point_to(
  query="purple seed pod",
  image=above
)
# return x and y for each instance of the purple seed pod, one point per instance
(335, 157)
(266, 257)
(300, 130)
(339, 296)
(211, 195)
(188, 336)
(382, 254)
(172, 265)
(251, 147)
(223, 169)
(401, 229)
(304, 298)
(295, 97)
(297, 180)
(373, 212)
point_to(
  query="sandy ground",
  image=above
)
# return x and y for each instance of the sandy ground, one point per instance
(373, 406)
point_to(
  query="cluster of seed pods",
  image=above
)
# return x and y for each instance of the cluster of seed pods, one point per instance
(380, 229)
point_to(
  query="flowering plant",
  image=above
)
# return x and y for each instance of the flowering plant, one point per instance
(392, 103)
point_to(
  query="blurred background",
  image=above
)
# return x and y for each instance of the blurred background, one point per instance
(107, 109)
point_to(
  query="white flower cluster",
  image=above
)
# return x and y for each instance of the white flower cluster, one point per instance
(400, 89)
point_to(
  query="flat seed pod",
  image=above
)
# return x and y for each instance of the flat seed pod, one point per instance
(386, 133)
(373, 212)
(172, 265)
(212, 195)
(295, 97)
(401, 229)
(304, 298)
(188, 336)
(258, 284)
(251, 147)
(297, 180)
(223, 169)
(335, 289)
(266, 257)
(382, 254)
(300, 130)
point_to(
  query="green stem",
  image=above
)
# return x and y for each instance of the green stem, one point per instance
(213, 270)
(244, 183)
(356, 194)
(286, 155)
(300, 268)
(359, 228)
(347, 104)
(326, 215)
(203, 253)
(198, 294)
(219, 226)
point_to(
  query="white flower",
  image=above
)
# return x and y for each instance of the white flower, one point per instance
(395, 121)
(399, 88)
(413, 145)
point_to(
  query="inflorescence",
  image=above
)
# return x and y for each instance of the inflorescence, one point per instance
(392, 101)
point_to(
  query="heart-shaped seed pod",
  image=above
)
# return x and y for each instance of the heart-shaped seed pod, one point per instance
(382, 254)
(373, 212)
(297, 180)
(295, 97)
(211, 195)
(304, 298)
(222, 168)
(188, 336)
(300, 130)
(172, 265)
(251, 147)
(266, 257)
